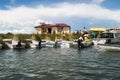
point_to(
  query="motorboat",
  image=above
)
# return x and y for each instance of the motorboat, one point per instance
(35, 44)
(13, 43)
(32, 43)
(50, 44)
(65, 44)
(108, 40)
(87, 44)
(58, 44)
(110, 47)
(84, 44)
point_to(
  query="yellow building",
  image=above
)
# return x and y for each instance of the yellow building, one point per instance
(52, 29)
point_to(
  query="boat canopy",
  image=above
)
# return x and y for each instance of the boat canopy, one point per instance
(97, 29)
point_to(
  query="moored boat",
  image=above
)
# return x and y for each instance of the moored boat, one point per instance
(35, 44)
(14, 44)
(50, 44)
(32, 43)
(108, 40)
(110, 47)
(65, 45)
(87, 44)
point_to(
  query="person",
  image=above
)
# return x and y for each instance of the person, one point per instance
(81, 38)
(80, 42)
(94, 35)
(85, 31)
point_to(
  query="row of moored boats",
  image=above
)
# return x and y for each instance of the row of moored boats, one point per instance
(42, 44)
(107, 40)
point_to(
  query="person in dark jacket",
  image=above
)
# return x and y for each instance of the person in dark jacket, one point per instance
(80, 45)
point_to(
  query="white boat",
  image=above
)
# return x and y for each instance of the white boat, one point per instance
(70, 44)
(50, 44)
(35, 44)
(87, 44)
(65, 45)
(56, 44)
(32, 43)
(110, 47)
(108, 40)
(13, 43)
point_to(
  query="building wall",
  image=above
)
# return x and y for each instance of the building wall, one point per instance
(38, 31)
(54, 29)
(66, 30)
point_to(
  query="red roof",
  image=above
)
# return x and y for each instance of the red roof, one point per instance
(52, 25)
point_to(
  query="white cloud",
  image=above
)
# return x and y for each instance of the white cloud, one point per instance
(24, 17)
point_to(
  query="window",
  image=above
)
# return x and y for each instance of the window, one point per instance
(43, 29)
(107, 35)
(60, 29)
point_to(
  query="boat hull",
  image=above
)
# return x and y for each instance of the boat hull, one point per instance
(13, 44)
(110, 47)
(65, 45)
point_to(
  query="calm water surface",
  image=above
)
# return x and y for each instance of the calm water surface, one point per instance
(59, 64)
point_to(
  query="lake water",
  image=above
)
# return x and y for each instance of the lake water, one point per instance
(59, 64)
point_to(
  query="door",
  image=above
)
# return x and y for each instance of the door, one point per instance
(49, 30)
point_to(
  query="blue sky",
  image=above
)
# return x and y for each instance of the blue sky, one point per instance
(20, 16)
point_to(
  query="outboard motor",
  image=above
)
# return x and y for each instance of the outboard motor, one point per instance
(56, 43)
(39, 44)
(19, 44)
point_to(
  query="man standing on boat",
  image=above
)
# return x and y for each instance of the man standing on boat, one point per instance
(80, 42)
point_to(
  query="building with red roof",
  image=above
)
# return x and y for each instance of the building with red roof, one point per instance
(53, 29)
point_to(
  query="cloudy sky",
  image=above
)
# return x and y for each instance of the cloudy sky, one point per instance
(20, 16)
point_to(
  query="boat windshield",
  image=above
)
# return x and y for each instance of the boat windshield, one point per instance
(107, 35)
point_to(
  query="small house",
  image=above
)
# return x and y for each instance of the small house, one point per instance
(53, 29)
